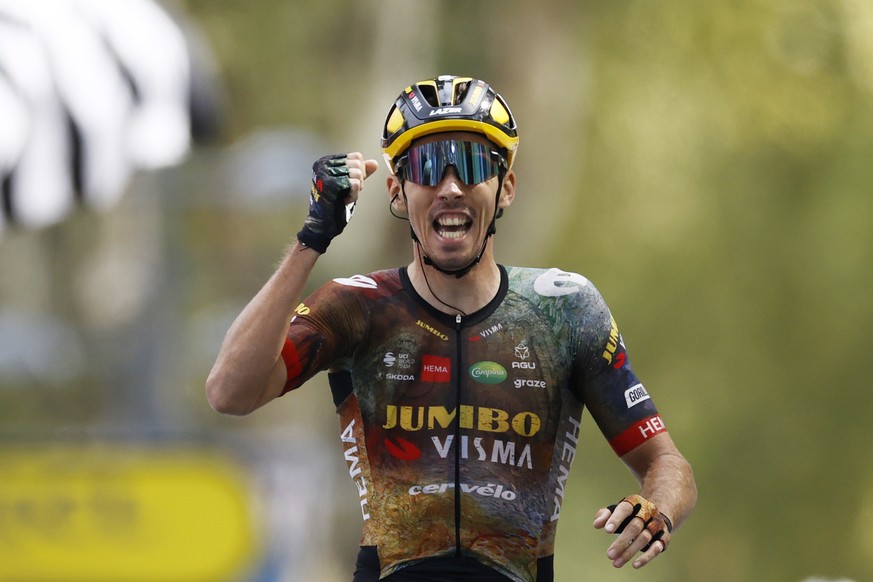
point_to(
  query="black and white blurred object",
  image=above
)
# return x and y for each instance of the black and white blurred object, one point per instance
(92, 91)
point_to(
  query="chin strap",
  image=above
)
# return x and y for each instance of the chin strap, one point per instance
(492, 228)
(458, 273)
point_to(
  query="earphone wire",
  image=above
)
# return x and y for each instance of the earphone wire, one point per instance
(421, 261)
(429, 288)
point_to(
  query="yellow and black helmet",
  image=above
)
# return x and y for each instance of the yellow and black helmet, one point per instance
(448, 103)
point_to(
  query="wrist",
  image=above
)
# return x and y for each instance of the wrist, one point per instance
(311, 240)
(667, 521)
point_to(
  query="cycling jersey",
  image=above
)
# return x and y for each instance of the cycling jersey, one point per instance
(459, 432)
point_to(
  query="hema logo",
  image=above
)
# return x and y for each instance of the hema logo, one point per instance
(435, 369)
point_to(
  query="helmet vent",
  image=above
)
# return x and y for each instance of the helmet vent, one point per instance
(430, 94)
(448, 104)
(460, 92)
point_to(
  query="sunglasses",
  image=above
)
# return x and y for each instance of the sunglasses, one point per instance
(426, 164)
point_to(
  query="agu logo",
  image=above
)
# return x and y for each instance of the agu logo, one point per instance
(488, 372)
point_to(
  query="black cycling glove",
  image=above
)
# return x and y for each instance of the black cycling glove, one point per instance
(658, 524)
(327, 209)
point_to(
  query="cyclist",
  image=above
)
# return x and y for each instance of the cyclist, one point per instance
(459, 382)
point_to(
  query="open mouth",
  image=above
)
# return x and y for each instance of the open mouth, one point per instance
(452, 226)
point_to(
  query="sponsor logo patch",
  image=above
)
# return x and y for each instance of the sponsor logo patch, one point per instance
(403, 361)
(637, 434)
(488, 372)
(351, 453)
(614, 343)
(402, 377)
(487, 332)
(402, 449)
(445, 111)
(489, 490)
(413, 98)
(435, 369)
(432, 330)
(501, 452)
(357, 281)
(522, 352)
(635, 394)
(521, 383)
(555, 283)
(568, 454)
(495, 420)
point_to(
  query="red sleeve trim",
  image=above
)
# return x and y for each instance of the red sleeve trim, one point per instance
(293, 367)
(637, 434)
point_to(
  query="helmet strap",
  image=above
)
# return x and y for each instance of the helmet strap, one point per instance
(492, 229)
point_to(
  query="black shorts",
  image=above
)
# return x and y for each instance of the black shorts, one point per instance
(441, 569)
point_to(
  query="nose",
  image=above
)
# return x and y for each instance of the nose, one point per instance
(451, 185)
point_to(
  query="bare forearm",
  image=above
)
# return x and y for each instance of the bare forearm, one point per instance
(667, 486)
(247, 371)
(669, 483)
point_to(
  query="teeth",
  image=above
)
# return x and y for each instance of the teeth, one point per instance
(451, 226)
(451, 234)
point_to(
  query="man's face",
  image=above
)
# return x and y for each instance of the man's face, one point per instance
(452, 218)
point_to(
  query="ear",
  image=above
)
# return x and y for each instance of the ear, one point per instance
(507, 192)
(395, 193)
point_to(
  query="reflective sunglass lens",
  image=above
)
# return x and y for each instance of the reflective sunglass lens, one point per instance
(426, 164)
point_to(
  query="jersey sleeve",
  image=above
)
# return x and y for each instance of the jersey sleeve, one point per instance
(323, 330)
(617, 400)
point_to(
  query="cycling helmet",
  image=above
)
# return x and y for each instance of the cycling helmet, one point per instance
(448, 103)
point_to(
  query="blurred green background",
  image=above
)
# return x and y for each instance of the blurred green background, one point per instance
(706, 165)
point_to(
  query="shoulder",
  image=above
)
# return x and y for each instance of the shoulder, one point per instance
(378, 283)
(550, 283)
(386, 278)
(565, 297)
(354, 292)
(345, 305)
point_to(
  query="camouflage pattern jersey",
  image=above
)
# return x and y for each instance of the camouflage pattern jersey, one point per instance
(459, 432)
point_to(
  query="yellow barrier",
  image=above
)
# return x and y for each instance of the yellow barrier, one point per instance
(115, 513)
